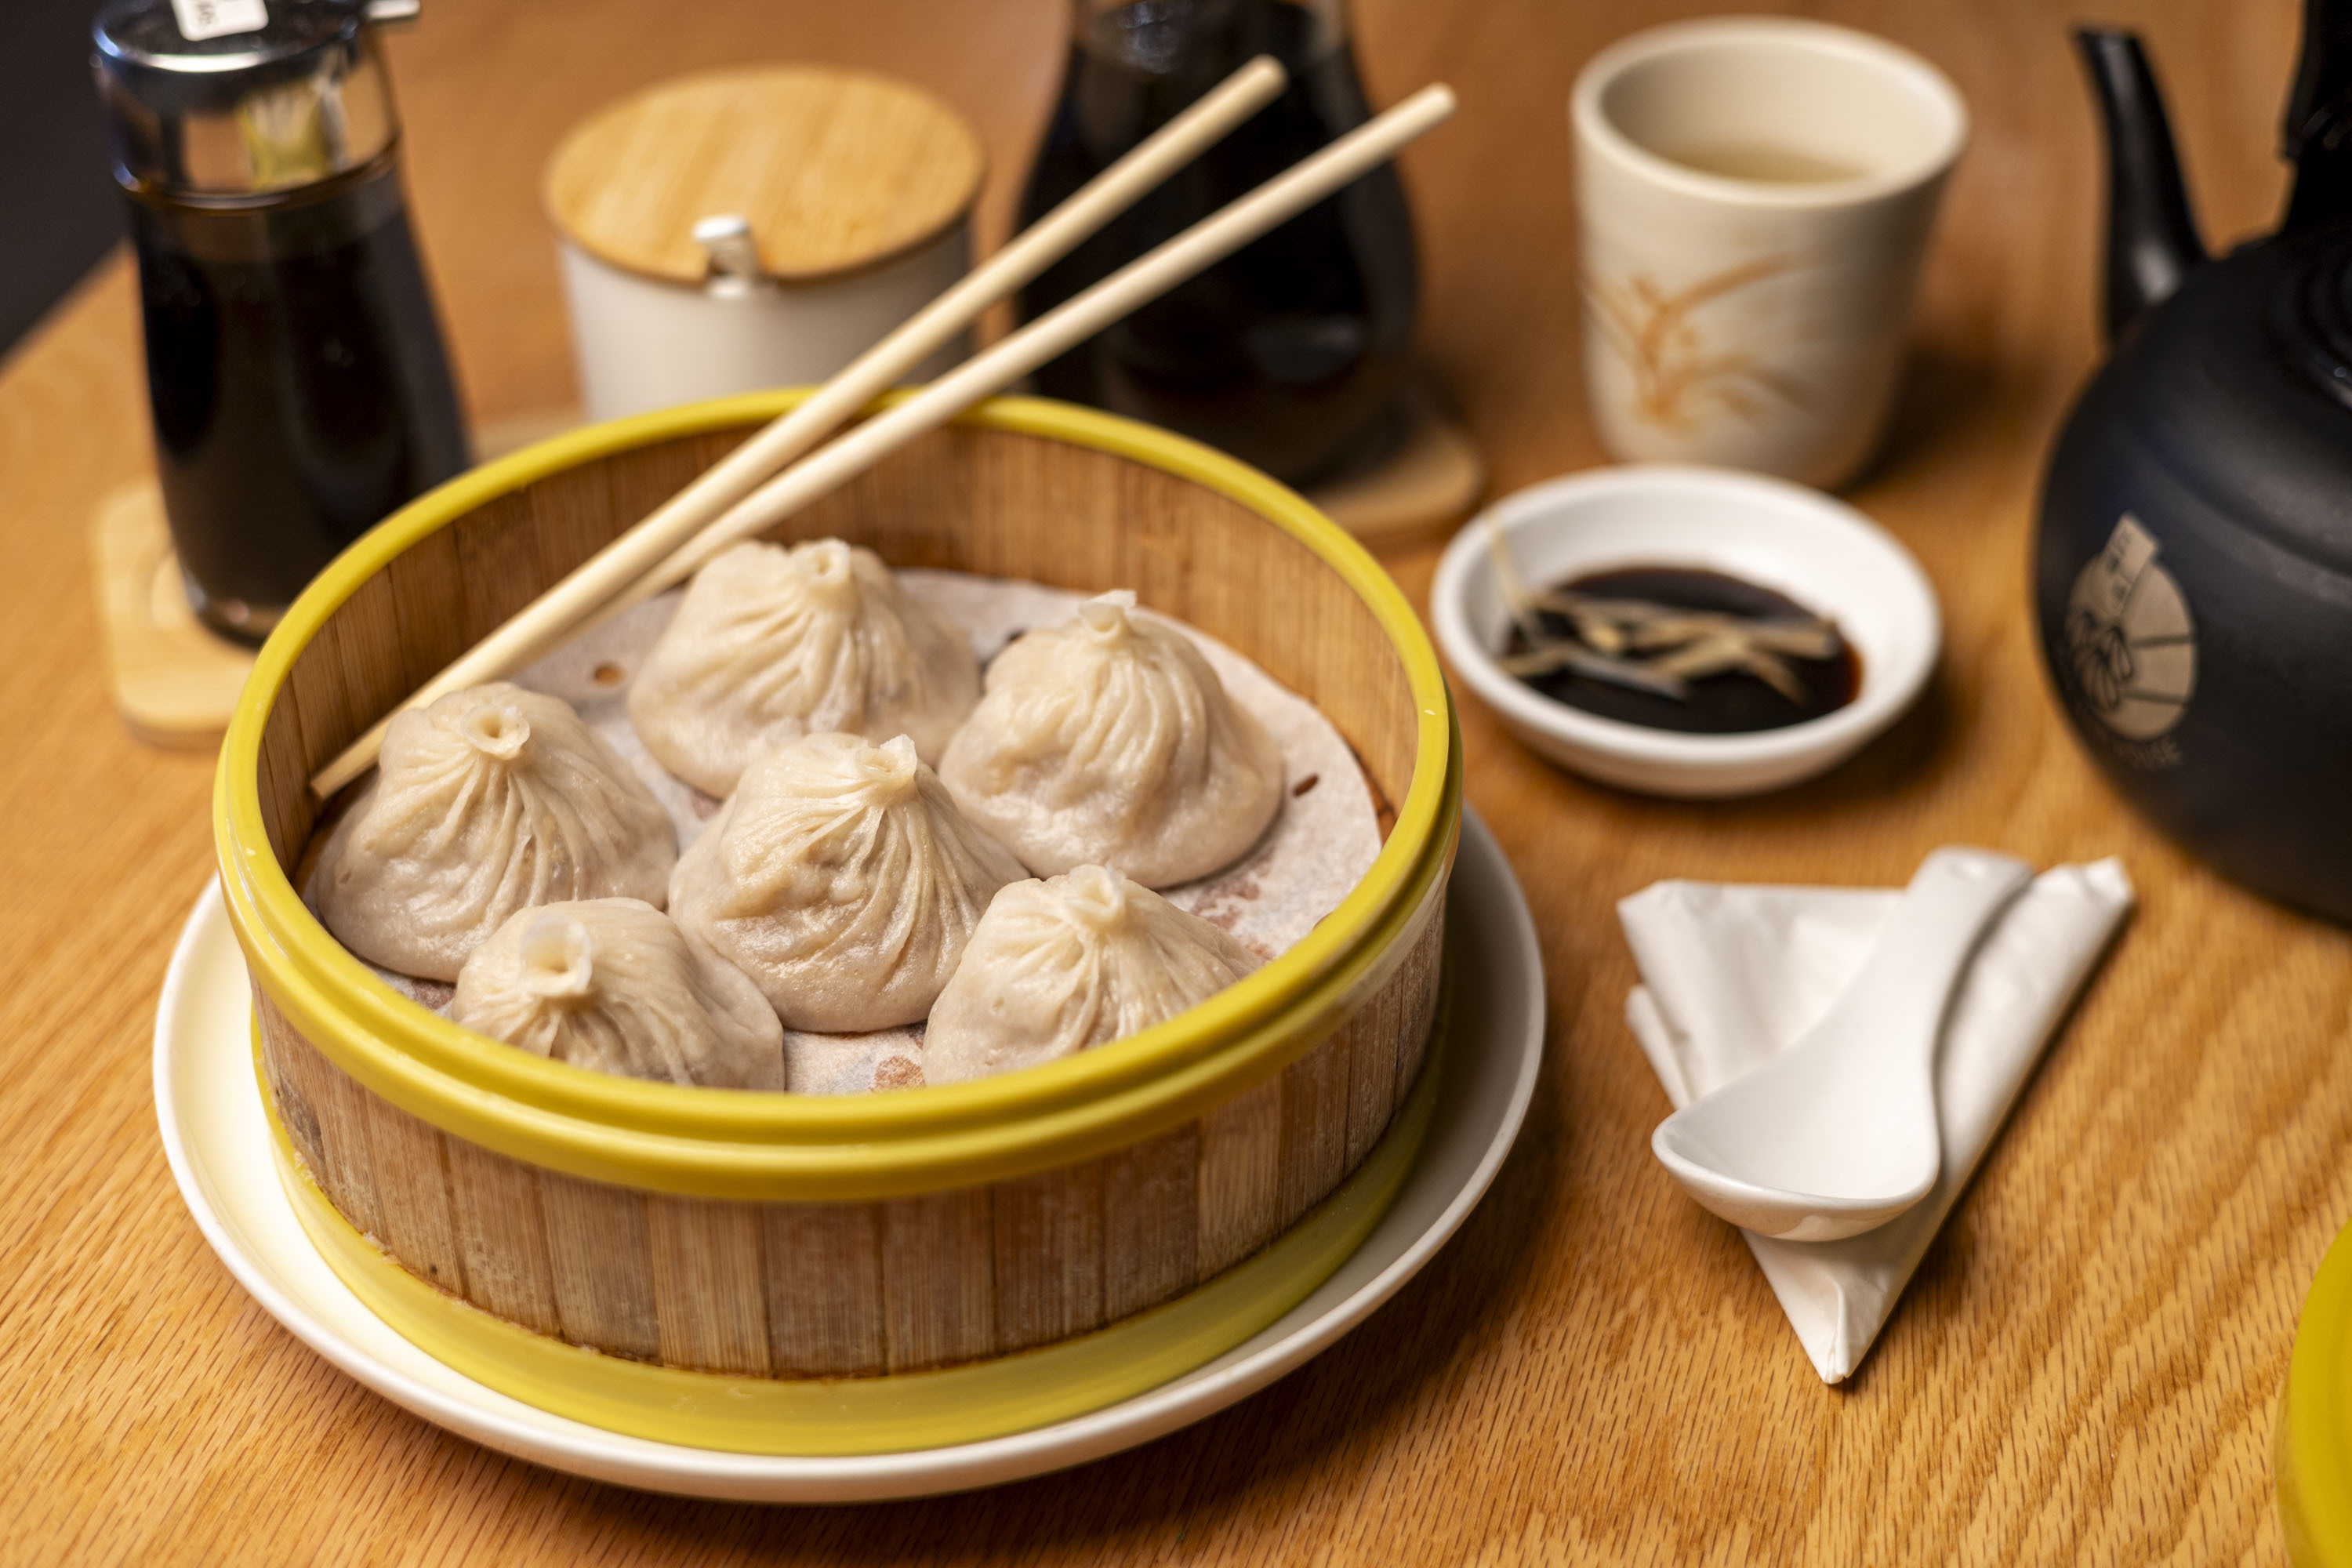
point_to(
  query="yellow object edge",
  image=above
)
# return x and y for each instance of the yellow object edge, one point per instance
(738, 1144)
(898, 1413)
(2313, 1455)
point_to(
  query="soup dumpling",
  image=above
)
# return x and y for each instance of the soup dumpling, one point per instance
(842, 880)
(1075, 960)
(615, 984)
(771, 644)
(1110, 742)
(490, 800)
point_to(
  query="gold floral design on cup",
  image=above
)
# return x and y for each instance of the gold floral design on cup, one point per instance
(1676, 372)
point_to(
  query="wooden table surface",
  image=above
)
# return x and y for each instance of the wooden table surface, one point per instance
(2086, 1368)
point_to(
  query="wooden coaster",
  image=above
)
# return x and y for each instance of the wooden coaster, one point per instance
(1425, 480)
(174, 683)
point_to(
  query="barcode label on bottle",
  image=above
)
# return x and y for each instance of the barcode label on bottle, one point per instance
(200, 19)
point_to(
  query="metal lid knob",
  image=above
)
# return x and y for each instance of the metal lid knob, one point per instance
(227, 98)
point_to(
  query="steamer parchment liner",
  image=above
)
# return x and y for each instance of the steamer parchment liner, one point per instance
(1323, 839)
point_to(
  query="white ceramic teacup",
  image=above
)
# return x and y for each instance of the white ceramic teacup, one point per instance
(1754, 198)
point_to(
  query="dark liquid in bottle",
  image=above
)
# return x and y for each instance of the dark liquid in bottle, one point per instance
(1286, 353)
(1731, 703)
(299, 385)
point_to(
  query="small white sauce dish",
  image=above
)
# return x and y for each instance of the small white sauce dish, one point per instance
(1817, 551)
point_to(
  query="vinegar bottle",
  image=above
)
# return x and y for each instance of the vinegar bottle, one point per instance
(295, 370)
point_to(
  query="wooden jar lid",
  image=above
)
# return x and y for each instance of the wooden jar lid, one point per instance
(836, 170)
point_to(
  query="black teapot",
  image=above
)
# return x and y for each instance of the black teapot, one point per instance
(2193, 570)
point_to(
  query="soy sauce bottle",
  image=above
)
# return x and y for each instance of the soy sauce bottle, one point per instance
(1286, 353)
(296, 374)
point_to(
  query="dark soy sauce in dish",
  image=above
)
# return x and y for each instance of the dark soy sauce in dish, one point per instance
(1712, 700)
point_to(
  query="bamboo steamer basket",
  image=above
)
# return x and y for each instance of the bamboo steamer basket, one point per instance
(800, 1273)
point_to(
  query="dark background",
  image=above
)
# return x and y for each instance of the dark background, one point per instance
(58, 206)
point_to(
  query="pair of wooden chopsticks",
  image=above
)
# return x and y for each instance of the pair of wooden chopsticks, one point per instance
(736, 497)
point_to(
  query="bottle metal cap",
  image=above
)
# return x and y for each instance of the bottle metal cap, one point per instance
(228, 98)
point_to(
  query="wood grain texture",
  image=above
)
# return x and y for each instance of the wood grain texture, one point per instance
(836, 171)
(845, 1290)
(176, 683)
(2086, 1369)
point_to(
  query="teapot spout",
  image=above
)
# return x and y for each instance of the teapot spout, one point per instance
(2319, 116)
(2152, 240)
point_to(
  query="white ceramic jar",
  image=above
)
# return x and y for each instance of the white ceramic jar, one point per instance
(735, 230)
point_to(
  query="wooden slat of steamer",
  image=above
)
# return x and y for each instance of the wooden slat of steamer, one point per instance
(502, 1237)
(1152, 1221)
(681, 1281)
(1419, 987)
(1046, 1235)
(414, 1217)
(710, 1285)
(282, 1050)
(288, 812)
(321, 688)
(366, 653)
(502, 551)
(633, 491)
(938, 1292)
(570, 517)
(1388, 1040)
(316, 1094)
(1313, 1141)
(1241, 1177)
(825, 1289)
(428, 599)
(918, 513)
(1372, 1084)
(601, 1259)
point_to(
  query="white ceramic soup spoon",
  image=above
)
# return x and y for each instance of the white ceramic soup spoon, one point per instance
(1838, 1133)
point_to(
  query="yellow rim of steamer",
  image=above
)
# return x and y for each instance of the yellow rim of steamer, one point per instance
(741, 1144)
(2313, 1460)
(897, 1413)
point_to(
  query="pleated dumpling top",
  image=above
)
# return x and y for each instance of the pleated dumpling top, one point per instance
(842, 880)
(1110, 742)
(771, 644)
(1075, 960)
(491, 800)
(615, 984)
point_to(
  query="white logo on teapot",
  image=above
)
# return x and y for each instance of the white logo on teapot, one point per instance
(2131, 644)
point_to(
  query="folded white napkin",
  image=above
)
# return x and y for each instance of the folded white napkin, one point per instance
(1733, 974)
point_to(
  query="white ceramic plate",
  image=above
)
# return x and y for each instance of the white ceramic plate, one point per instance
(1812, 548)
(210, 1110)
